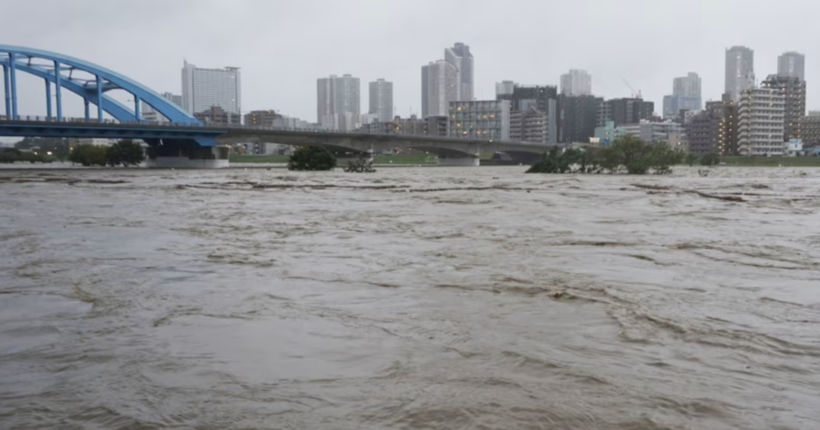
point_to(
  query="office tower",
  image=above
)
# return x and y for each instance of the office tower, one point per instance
(794, 92)
(578, 116)
(740, 71)
(624, 111)
(480, 120)
(761, 127)
(688, 85)
(381, 100)
(685, 96)
(576, 83)
(203, 89)
(440, 86)
(459, 55)
(792, 65)
(338, 102)
(504, 88)
(544, 98)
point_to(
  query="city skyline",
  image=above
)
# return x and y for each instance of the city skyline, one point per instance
(284, 77)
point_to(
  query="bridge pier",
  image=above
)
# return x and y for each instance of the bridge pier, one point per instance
(459, 161)
(184, 154)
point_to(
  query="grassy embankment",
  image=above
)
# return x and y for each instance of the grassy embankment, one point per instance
(772, 161)
(377, 159)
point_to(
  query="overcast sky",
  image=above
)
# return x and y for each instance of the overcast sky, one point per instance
(283, 46)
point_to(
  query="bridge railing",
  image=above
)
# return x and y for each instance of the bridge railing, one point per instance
(32, 118)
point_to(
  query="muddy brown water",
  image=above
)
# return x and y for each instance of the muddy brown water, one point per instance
(417, 298)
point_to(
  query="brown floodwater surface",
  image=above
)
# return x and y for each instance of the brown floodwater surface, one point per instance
(412, 298)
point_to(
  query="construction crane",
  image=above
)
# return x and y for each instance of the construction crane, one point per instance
(636, 95)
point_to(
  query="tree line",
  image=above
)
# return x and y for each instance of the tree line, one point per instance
(626, 154)
(123, 153)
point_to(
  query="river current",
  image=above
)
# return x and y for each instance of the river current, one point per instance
(412, 298)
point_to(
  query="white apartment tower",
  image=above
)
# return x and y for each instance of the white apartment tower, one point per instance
(381, 100)
(740, 71)
(761, 121)
(576, 83)
(205, 88)
(338, 102)
(461, 57)
(440, 85)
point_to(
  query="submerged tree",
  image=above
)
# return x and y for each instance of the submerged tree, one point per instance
(89, 155)
(311, 158)
(125, 152)
(626, 153)
(363, 163)
(710, 159)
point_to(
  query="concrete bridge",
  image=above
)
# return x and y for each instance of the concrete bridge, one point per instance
(173, 143)
(451, 151)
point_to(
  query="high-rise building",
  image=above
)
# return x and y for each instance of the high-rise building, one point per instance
(440, 85)
(715, 129)
(624, 111)
(381, 99)
(504, 88)
(152, 115)
(685, 96)
(810, 129)
(794, 91)
(543, 97)
(688, 85)
(480, 120)
(577, 118)
(792, 65)
(740, 71)
(459, 55)
(576, 83)
(761, 128)
(338, 102)
(529, 125)
(203, 89)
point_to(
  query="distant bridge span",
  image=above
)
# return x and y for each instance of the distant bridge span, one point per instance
(449, 150)
(453, 150)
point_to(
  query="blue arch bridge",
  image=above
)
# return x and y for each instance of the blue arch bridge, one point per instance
(184, 141)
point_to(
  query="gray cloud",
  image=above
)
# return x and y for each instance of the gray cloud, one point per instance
(283, 46)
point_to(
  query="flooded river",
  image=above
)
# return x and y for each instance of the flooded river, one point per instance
(412, 298)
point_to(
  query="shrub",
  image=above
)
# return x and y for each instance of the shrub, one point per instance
(709, 159)
(89, 155)
(311, 158)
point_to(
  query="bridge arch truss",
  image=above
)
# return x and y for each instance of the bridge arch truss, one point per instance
(58, 70)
